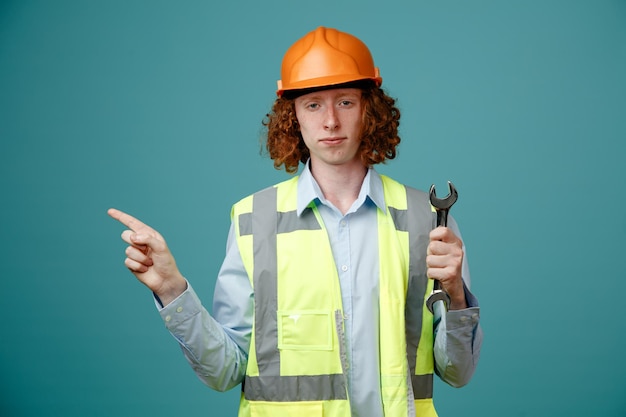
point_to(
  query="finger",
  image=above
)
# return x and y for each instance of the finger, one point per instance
(444, 234)
(444, 262)
(128, 236)
(445, 265)
(435, 247)
(131, 238)
(144, 242)
(440, 274)
(134, 266)
(437, 261)
(438, 247)
(128, 220)
(139, 255)
(443, 272)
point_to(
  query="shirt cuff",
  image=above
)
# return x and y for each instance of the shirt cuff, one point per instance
(180, 309)
(467, 317)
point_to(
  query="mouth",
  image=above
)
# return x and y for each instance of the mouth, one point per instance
(332, 140)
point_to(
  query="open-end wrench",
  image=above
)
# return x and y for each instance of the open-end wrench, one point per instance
(442, 207)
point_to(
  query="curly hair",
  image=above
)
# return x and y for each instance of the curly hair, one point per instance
(379, 130)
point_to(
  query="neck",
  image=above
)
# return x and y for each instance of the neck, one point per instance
(340, 184)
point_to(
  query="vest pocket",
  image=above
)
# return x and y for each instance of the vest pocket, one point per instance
(305, 330)
(276, 409)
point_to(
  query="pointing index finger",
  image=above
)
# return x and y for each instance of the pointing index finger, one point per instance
(128, 220)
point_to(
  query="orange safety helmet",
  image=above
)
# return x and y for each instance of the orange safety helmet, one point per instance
(326, 57)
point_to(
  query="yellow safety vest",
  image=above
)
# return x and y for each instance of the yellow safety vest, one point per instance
(296, 364)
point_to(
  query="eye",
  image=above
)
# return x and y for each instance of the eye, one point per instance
(346, 103)
(313, 106)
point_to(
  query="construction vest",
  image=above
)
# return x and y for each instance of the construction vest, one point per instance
(297, 363)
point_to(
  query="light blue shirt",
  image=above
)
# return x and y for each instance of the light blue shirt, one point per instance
(217, 346)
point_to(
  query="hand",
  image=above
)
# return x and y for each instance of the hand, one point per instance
(149, 258)
(444, 262)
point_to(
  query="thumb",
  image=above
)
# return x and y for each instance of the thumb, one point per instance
(148, 241)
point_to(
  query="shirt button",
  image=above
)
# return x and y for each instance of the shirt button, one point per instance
(342, 223)
(344, 268)
(168, 318)
(179, 309)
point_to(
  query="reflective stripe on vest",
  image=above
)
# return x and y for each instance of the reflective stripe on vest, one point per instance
(285, 364)
(267, 224)
(413, 220)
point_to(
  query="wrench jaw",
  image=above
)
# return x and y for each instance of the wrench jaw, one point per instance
(435, 296)
(443, 203)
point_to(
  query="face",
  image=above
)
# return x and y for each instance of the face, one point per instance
(330, 124)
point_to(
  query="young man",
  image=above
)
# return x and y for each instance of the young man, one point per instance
(319, 306)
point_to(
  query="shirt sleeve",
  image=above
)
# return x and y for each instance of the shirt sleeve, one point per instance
(458, 335)
(216, 346)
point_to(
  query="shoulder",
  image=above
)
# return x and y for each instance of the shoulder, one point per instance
(392, 187)
(245, 204)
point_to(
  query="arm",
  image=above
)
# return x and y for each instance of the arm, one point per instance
(458, 336)
(458, 339)
(217, 347)
(211, 348)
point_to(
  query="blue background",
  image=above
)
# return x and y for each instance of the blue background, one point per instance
(155, 107)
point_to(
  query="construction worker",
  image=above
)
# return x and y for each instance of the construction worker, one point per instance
(319, 307)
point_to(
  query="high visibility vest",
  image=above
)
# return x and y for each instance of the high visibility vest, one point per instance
(297, 363)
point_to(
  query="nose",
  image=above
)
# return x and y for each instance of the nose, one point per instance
(331, 122)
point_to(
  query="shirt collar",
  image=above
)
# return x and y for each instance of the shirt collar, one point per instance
(309, 191)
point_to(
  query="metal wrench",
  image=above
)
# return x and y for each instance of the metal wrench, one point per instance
(442, 207)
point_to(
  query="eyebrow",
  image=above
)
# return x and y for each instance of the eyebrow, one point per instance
(338, 96)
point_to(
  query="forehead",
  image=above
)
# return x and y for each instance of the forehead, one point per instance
(331, 93)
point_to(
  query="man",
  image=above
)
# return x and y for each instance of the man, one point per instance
(319, 306)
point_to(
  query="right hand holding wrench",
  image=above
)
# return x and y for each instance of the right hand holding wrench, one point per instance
(445, 257)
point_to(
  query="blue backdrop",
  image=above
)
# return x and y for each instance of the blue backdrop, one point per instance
(155, 107)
